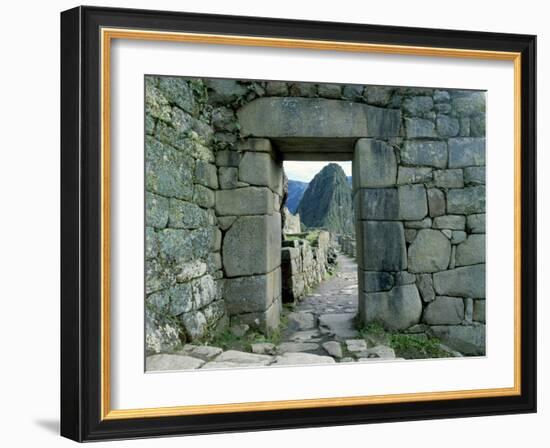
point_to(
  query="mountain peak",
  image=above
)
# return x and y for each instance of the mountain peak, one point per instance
(327, 202)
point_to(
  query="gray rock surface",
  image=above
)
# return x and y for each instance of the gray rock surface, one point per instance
(356, 345)
(301, 321)
(425, 152)
(466, 152)
(469, 340)
(444, 311)
(204, 352)
(252, 245)
(296, 359)
(387, 240)
(419, 128)
(316, 117)
(449, 178)
(476, 223)
(333, 348)
(412, 202)
(296, 347)
(396, 309)
(171, 362)
(342, 326)
(436, 202)
(468, 281)
(377, 281)
(238, 357)
(374, 164)
(263, 348)
(429, 252)
(244, 201)
(466, 201)
(253, 293)
(377, 203)
(471, 251)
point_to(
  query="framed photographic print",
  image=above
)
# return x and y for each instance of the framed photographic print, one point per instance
(276, 224)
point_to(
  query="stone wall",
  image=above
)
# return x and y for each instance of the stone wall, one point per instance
(215, 186)
(183, 261)
(421, 219)
(305, 261)
(347, 244)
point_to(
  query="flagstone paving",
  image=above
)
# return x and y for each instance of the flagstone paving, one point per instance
(319, 329)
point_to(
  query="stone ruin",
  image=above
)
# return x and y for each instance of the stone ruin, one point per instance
(214, 188)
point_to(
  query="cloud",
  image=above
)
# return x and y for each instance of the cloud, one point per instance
(305, 171)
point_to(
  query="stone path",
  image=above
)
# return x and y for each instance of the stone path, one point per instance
(320, 329)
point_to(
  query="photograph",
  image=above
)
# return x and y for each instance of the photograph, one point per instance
(298, 223)
(273, 223)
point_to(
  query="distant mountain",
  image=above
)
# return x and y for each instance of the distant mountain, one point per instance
(296, 190)
(327, 201)
(349, 180)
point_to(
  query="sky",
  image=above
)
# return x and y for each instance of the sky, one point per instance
(305, 171)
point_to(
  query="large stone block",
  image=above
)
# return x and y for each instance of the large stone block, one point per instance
(468, 281)
(419, 128)
(429, 252)
(374, 164)
(465, 201)
(252, 294)
(205, 291)
(397, 309)
(449, 178)
(168, 172)
(377, 204)
(476, 223)
(156, 210)
(474, 175)
(450, 222)
(479, 311)
(425, 152)
(264, 321)
(228, 158)
(447, 126)
(425, 286)
(467, 339)
(244, 201)
(436, 202)
(376, 281)
(418, 105)
(195, 325)
(316, 117)
(259, 168)
(381, 246)
(413, 175)
(444, 311)
(471, 251)
(252, 245)
(186, 215)
(412, 202)
(468, 103)
(179, 91)
(206, 174)
(466, 151)
(225, 91)
(181, 245)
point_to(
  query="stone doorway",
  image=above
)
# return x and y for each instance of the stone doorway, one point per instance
(214, 149)
(280, 129)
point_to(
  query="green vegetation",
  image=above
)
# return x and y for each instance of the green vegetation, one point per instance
(312, 237)
(417, 346)
(405, 345)
(228, 340)
(372, 329)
